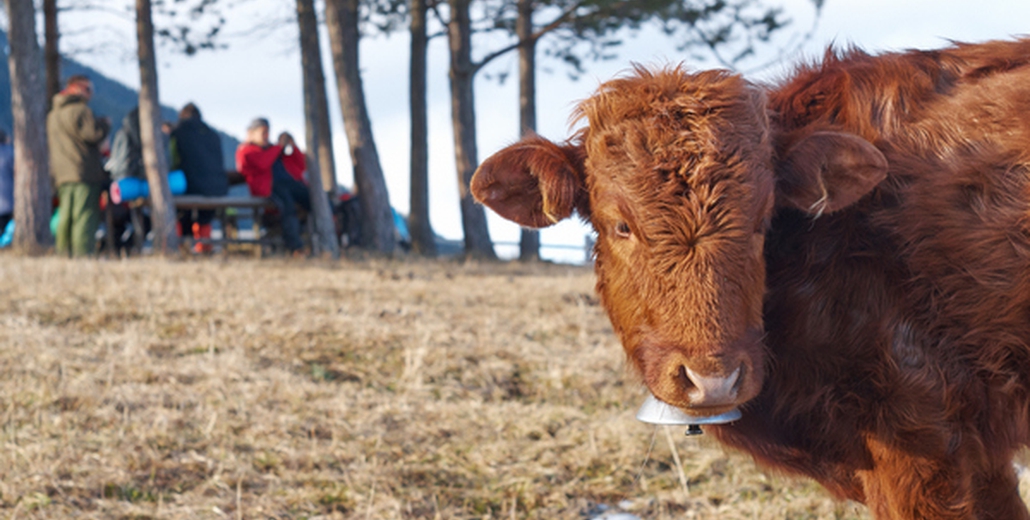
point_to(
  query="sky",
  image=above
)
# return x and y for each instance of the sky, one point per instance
(259, 75)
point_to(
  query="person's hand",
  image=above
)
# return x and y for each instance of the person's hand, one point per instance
(285, 139)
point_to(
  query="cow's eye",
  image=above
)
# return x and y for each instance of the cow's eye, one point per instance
(622, 229)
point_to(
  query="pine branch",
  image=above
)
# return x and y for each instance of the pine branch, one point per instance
(565, 16)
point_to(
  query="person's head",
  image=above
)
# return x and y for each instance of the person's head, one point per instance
(285, 138)
(4, 138)
(257, 132)
(79, 85)
(189, 111)
(166, 128)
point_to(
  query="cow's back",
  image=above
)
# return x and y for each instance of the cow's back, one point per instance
(906, 316)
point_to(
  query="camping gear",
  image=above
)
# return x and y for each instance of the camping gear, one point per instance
(131, 188)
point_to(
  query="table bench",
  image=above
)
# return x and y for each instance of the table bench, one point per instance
(253, 206)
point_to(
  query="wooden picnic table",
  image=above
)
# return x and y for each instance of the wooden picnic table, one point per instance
(255, 206)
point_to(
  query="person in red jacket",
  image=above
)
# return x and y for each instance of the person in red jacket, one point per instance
(295, 163)
(267, 169)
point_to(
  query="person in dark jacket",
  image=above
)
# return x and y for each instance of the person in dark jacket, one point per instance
(197, 150)
(74, 137)
(6, 181)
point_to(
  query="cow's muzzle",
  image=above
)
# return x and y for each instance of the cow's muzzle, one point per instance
(701, 385)
(710, 391)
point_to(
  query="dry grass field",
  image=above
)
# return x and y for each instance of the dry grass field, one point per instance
(271, 389)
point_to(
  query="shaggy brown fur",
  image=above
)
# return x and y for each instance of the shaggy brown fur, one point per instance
(849, 249)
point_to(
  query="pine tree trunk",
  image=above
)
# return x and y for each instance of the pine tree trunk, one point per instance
(326, 156)
(32, 189)
(422, 240)
(377, 230)
(51, 54)
(529, 245)
(155, 160)
(463, 120)
(315, 107)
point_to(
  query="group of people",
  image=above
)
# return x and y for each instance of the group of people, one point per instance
(77, 141)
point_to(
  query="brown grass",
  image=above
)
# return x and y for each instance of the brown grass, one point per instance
(242, 389)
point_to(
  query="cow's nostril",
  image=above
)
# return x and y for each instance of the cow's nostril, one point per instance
(741, 372)
(685, 382)
(713, 390)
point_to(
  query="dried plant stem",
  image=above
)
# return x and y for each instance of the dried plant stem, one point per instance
(676, 458)
(371, 500)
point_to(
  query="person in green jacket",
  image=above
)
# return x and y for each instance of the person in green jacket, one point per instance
(75, 137)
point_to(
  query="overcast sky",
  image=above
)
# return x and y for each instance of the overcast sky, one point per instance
(259, 74)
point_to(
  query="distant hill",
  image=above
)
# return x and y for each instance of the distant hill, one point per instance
(112, 99)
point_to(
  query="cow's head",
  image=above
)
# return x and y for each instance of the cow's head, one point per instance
(678, 176)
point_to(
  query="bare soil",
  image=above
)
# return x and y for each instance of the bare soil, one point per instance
(273, 389)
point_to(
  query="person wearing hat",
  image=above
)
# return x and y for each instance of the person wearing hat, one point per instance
(265, 168)
(74, 137)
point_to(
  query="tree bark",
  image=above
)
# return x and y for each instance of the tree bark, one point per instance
(377, 230)
(318, 145)
(51, 54)
(529, 245)
(155, 159)
(32, 189)
(326, 156)
(463, 120)
(422, 237)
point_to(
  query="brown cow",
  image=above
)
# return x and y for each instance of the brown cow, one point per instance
(844, 256)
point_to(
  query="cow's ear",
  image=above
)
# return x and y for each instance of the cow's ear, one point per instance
(828, 171)
(534, 182)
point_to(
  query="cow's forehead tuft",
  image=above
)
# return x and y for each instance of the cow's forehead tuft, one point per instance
(670, 92)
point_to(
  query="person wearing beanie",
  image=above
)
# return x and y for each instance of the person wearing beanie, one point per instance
(197, 150)
(74, 137)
